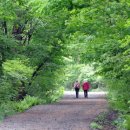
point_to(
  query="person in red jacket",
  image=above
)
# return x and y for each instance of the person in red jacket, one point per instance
(85, 87)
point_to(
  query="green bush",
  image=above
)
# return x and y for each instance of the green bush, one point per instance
(55, 96)
(6, 109)
(11, 107)
(119, 100)
(47, 87)
(27, 103)
(119, 95)
(126, 122)
(17, 69)
(7, 91)
(95, 126)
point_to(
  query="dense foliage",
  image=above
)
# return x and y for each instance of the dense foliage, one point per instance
(31, 52)
(99, 33)
(46, 44)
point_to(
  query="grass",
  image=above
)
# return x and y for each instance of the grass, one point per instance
(96, 126)
(105, 120)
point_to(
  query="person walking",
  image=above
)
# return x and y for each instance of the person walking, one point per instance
(77, 87)
(85, 87)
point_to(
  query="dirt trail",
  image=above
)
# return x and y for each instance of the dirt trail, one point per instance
(68, 114)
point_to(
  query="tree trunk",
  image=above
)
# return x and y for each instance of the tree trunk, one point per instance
(35, 73)
(5, 27)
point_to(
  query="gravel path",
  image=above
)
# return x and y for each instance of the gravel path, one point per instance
(68, 114)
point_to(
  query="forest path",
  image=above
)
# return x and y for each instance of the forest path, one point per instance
(67, 114)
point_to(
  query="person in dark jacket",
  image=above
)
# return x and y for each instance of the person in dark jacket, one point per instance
(77, 87)
(85, 87)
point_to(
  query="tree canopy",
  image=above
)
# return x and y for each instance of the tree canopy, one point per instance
(47, 44)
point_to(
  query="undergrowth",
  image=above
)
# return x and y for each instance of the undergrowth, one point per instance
(105, 121)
